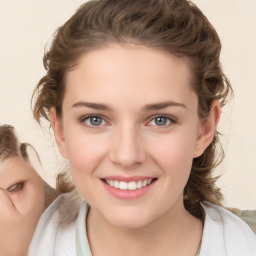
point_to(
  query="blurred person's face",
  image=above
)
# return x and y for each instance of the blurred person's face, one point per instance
(22, 200)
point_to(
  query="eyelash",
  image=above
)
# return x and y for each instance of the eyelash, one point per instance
(16, 187)
(83, 119)
(169, 118)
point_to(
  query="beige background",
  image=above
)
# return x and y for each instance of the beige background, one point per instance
(27, 25)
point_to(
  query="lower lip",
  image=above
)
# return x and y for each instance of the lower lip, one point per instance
(128, 194)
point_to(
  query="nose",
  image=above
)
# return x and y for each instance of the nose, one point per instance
(127, 149)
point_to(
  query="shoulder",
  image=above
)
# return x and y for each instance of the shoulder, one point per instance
(249, 216)
(55, 234)
(226, 234)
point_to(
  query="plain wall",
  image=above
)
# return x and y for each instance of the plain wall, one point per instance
(26, 26)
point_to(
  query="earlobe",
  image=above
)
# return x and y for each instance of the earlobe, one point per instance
(207, 129)
(58, 132)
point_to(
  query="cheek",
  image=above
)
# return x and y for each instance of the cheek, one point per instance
(175, 155)
(18, 224)
(85, 152)
(30, 201)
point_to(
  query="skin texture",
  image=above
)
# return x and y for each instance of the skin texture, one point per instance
(22, 200)
(130, 142)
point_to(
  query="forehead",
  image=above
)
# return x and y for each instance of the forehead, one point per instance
(129, 71)
(15, 169)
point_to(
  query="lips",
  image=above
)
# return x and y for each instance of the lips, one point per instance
(128, 188)
(132, 185)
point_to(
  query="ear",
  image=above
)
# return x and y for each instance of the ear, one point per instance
(207, 129)
(58, 132)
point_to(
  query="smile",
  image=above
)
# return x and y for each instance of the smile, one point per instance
(128, 188)
(132, 185)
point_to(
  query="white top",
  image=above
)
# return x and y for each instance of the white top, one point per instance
(224, 234)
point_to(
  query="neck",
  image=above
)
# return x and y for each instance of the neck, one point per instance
(177, 232)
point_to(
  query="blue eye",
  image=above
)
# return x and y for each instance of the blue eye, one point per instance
(161, 121)
(94, 121)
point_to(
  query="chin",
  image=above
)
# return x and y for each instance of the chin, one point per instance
(130, 223)
(129, 219)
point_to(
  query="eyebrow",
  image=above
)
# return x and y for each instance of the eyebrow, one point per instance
(162, 105)
(96, 106)
(148, 107)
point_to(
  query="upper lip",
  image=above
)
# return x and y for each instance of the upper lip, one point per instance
(128, 179)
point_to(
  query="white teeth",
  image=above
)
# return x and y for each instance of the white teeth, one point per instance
(145, 183)
(123, 185)
(132, 185)
(139, 184)
(116, 184)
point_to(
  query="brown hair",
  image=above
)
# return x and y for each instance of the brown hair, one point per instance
(174, 26)
(10, 146)
(8, 142)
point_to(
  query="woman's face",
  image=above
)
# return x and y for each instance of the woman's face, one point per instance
(130, 130)
(21, 202)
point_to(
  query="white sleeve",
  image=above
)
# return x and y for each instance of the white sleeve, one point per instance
(51, 238)
(225, 234)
